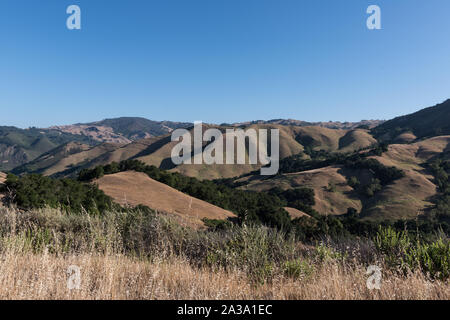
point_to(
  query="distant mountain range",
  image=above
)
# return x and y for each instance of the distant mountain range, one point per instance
(87, 144)
(122, 130)
(21, 146)
(363, 124)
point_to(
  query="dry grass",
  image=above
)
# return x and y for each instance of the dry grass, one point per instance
(2, 177)
(44, 276)
(132, 188)
(326, 202)
(34, 262)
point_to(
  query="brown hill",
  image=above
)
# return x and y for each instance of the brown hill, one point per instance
(293, 139)
(68, 159)
(405, 198)
(330, 124)
(134, 188)
(355, 140)
(410, 156)
(327, 201)
(288, 146)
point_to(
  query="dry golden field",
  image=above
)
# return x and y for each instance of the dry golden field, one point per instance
(44, 276)
(37, 248)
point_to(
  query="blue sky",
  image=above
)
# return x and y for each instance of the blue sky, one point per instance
(221, 60)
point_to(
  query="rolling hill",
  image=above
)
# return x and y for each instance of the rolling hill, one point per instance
(417, 141)
(428, 122)
(133, 188)
(22, 146)
(406, 197)
(367, 124)
(19, 146)
(67, 160)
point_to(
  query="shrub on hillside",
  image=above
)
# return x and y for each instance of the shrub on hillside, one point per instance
(37, 191)
(400, 251)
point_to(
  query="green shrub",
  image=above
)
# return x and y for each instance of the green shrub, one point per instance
(353, 182)
(402, 253)
(326, 253)
(298, 269)
(37, 191)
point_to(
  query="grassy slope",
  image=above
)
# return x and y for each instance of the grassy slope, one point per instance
(66, 160)
(327, 202)
(157, 152)
(19, 146)
(34, 263)
(133, 188)
(432, 121)
(405, 198)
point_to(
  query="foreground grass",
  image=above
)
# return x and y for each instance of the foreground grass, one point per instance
(44, 276)
(147, 257)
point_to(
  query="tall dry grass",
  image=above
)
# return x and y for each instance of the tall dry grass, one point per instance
(34, 260)
(44, 276)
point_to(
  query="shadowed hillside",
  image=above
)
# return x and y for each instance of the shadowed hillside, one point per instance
(68, 159)
(406, 197)
(157, 151)
(19, 146)
(432, 121)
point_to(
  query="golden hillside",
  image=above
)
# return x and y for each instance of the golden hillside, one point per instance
(70, 158)
(407, 197)
(133, 188)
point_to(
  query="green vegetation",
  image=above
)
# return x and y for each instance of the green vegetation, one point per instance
(382, 175)
(262, 253)
(251, 207)
(353, 182)
(37, 191)
(266, 207)
(441, 212)
(404, 253)
(356, 160)
(24, 145)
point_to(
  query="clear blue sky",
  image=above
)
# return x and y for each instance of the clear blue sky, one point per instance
(221, 60)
